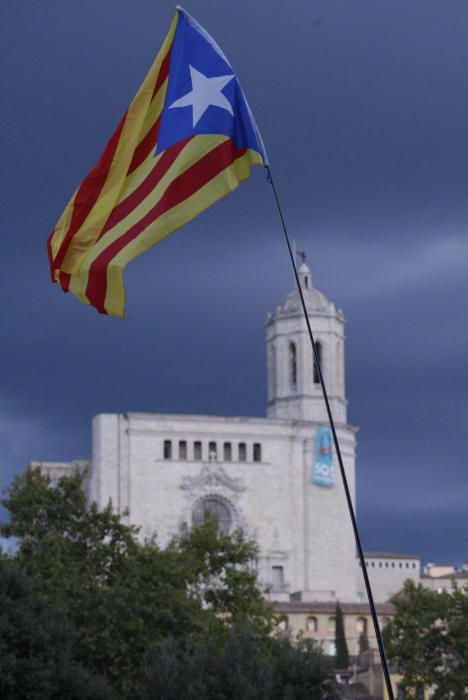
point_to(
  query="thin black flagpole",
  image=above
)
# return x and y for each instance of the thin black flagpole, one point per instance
(370, 597)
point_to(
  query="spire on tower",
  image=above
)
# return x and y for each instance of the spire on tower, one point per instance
(305, 276)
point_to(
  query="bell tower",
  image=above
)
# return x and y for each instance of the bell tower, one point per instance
(294, 391)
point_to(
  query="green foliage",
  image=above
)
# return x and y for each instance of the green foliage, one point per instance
(36, 657)
(75, 558)
(221, 576)
(233, 663)
(342, 656)
(428, 640)
(122, 596)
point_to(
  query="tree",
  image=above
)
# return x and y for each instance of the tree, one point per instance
(36, 658)
(342, 656)
(122, 596)
(221, 574)
(428, 640)
(231, 663)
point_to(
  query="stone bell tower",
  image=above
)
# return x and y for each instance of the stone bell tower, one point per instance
(326, 549)
(294, 391)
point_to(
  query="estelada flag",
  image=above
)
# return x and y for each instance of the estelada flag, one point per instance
(187, 139)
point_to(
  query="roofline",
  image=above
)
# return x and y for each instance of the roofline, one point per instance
(199, 417)
(390, 555)
(300, 606)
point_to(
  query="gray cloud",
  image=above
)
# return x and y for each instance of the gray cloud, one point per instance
(363, 109)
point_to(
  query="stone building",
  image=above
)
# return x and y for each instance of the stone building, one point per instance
(258, 474)
(255, 473)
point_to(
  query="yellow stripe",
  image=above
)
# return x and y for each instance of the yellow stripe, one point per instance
(154, 110)
(62, 226)
(137, 175)
(190, 155)
(79, 280)
(130, 137)
(221, 185)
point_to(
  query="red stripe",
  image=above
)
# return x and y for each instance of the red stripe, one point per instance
(89, 191)
(149, 142)
(126, 206)
(145, 147)
(64, 279)
(163, 73)
(49, 255)
(182, 187)
(91, 187)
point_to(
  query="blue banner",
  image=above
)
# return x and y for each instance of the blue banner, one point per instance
(322, 471)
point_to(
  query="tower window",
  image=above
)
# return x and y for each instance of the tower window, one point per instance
(197, 450)
(318, 347)
(257, 452)
(292, 366)
(216, 507)
(167, 449)
(306, 282)
(339, 367)
(227, 452)
(242, 452)
(271, 372)
(182, 449)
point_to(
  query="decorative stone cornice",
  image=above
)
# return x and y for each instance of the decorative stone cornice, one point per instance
(212, 476)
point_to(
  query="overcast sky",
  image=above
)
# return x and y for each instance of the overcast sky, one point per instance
(363, 106)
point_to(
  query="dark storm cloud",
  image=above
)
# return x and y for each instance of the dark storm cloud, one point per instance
(363, 107)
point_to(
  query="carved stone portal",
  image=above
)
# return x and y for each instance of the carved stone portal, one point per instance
(210, 476)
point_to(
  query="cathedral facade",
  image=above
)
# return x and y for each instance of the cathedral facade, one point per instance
(254, 473)
(263, 475)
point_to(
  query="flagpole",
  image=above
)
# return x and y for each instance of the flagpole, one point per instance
(370, 597)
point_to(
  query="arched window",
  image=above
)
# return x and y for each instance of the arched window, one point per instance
(212, 452)
(215, 506)
(197, 450)
(292, 365)
(312, 625)
(242, 452)
(277, 578)
(227, 452)
(339, 367)
(361, 625)
(318, 347)
(182, 449)
(331, 624)
(271, 372)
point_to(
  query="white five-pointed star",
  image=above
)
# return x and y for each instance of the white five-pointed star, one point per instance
(204, 93)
